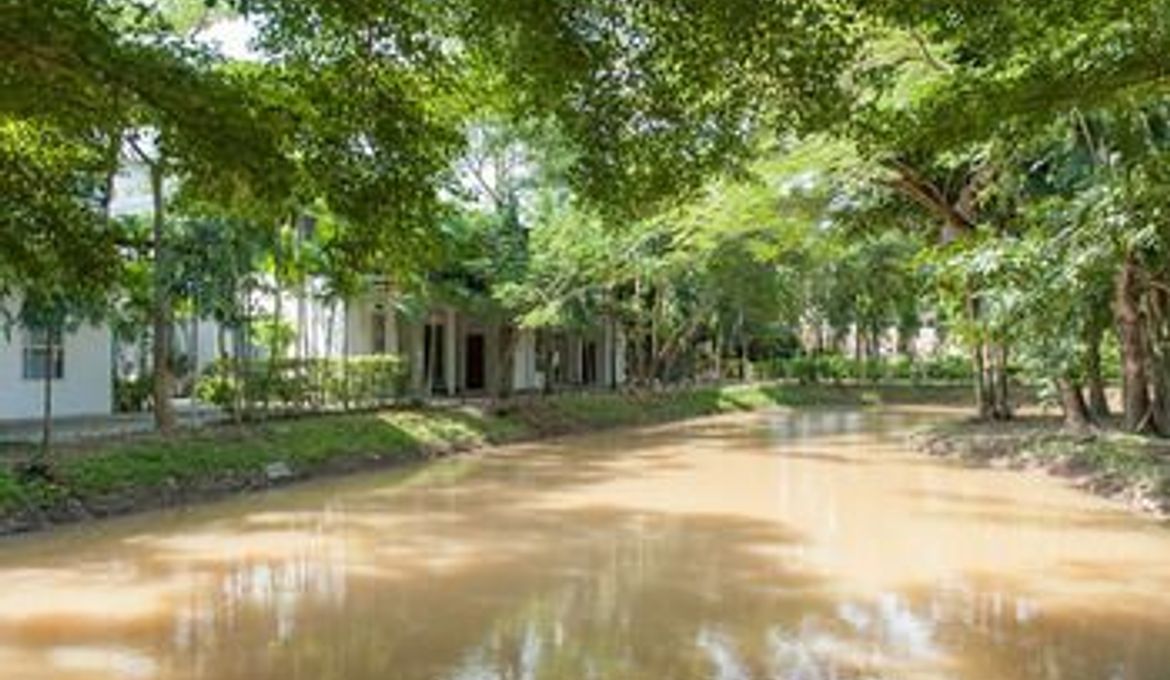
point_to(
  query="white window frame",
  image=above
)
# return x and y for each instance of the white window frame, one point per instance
(32, 355)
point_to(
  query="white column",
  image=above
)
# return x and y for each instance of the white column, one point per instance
(449, 359)
(356, 328)
(605, 364)
(523, 362)
(576, 348)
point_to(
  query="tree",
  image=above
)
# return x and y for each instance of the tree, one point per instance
(53, 228)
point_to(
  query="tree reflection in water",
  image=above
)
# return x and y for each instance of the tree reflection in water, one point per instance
(804, 546)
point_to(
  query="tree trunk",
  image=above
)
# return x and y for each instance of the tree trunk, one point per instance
(990, 384)
(545, 346)
(1158, 333)
(161, 313)
(718, 346)
(345, 392)
(652, 368)
(743, 353)
(1160, 405)
(506, 356)
(982, 393)
(193, 344)
(903, 345)
(613, 354)
(857, 362)
(1072, 401)
(1003, 406)
(1131, 336)
(984, 390)
(245, 356)
(237, 370)
(277, 319)
(329, 354)
(1098, 400)
(47, 403)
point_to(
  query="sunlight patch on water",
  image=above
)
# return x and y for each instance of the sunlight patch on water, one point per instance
(123, 664)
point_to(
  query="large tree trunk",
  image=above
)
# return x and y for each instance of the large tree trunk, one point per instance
(1158, 318)
(1130, 332)
(162, 315)
(1072, 401)
(1161, 399)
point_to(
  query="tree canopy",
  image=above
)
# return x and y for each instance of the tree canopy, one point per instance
(700, 173)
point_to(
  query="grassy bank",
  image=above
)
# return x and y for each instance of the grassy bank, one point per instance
(112, 477)
(1133, 470)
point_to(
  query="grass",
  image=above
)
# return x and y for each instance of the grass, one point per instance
(1111, 463)
(117, 476)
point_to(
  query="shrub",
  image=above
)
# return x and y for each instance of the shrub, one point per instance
(132, 395)
(812, 369)
(304, 384)
(951, 368)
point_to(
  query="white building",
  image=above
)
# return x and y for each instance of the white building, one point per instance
(466, 360)
(81, 366)
(466, 352)
(84, 362)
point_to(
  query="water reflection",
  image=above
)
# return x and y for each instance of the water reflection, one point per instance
(790, 546)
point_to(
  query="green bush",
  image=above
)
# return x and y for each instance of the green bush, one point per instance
(133, 395)
(304, 384)
(947, 368)
(12, 494)
(839, 368)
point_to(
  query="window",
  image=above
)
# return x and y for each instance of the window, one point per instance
(37, 349)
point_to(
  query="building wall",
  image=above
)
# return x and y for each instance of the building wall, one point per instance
(325, 333)
(925, 343)
(87, 386)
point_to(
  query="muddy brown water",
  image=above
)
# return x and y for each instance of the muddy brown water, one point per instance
(795, 546)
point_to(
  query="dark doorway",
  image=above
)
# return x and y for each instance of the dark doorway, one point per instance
(476, 373)
(433, 356)
(589, 363)
(378, 342)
